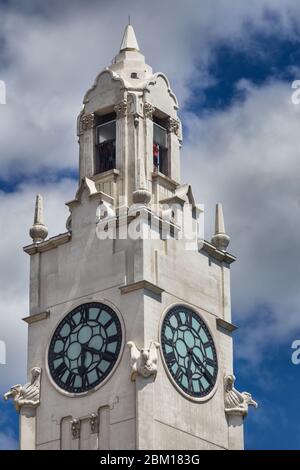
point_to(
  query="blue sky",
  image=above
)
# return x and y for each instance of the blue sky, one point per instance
(231, 67)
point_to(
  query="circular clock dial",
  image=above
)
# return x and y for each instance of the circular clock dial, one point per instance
(85, 347)
(189, 352)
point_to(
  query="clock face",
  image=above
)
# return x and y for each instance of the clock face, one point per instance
(85, 347)
(189, 352)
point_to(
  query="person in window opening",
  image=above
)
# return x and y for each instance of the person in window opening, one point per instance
(155, 158)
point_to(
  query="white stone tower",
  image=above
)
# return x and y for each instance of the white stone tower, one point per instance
(130, 333)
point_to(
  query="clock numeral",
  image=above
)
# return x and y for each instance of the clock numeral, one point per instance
(210, 362)
(72, 323)
(170, 358)
(188, 319)
(85, 380)
(85, 315)
(112, 339)
(108, 356)
(178, 318)
(61, 369)
(169, 342)
(110, 322)
(179, 375)
(59, 355)
(70, 380)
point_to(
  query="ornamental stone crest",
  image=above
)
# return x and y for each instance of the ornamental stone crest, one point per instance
(75, 428)
(87, 122)
(28, 394)
(143, 361)
(236, 403)
(148, 110)
(121, 109)
(94, 423)
(173, 126)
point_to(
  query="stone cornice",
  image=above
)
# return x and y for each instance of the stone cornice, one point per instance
(48, 244)
(141, 285)
(225, 325)
(36, 317)
(219, 255)
(165, 180)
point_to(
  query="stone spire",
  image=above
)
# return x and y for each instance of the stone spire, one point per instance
(220, 239)
(38, 231)
(129, 42)
(130, 63)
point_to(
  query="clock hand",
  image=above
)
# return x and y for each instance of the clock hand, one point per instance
(89, 349)
(198, 363)
(82, 361)
(189, 371)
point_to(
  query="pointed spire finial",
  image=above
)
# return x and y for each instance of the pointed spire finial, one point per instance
(129, 42)
(38, 231)
(220, 239)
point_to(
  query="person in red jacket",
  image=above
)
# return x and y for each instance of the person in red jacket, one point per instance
(155, 157)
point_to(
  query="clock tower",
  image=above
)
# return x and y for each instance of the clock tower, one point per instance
(129, 329)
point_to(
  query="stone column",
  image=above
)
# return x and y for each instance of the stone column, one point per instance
(174, 149)
(145, 412)
(27, 428)
(86, 146)
(235, 432)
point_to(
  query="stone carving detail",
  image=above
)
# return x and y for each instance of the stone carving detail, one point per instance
(87, 122)
(173, 126)
(94, 423)
(236, 403)
(75, 428)
(144, 361)
(28, 394)
(148, 110)
(121, 109)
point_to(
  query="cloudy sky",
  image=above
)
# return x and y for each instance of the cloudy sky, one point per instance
(231, 64)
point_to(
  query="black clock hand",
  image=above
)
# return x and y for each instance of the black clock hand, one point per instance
(82, 360)
(198, 363)
(91, 350)
(189, 371)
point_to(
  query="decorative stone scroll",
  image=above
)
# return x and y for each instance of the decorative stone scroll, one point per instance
(236, 403)
(173, 126)
(28, 394)
(87, 122)
(148, 110)
(143, 362)
(121, 109)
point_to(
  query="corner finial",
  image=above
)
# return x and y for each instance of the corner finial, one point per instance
(129, 42)
(38, 231)
(220, 239)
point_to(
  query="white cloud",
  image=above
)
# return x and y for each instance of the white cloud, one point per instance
(49, 60)
(248, 158)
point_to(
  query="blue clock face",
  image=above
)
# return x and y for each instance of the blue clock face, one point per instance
(189, 352)
(85, 347)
